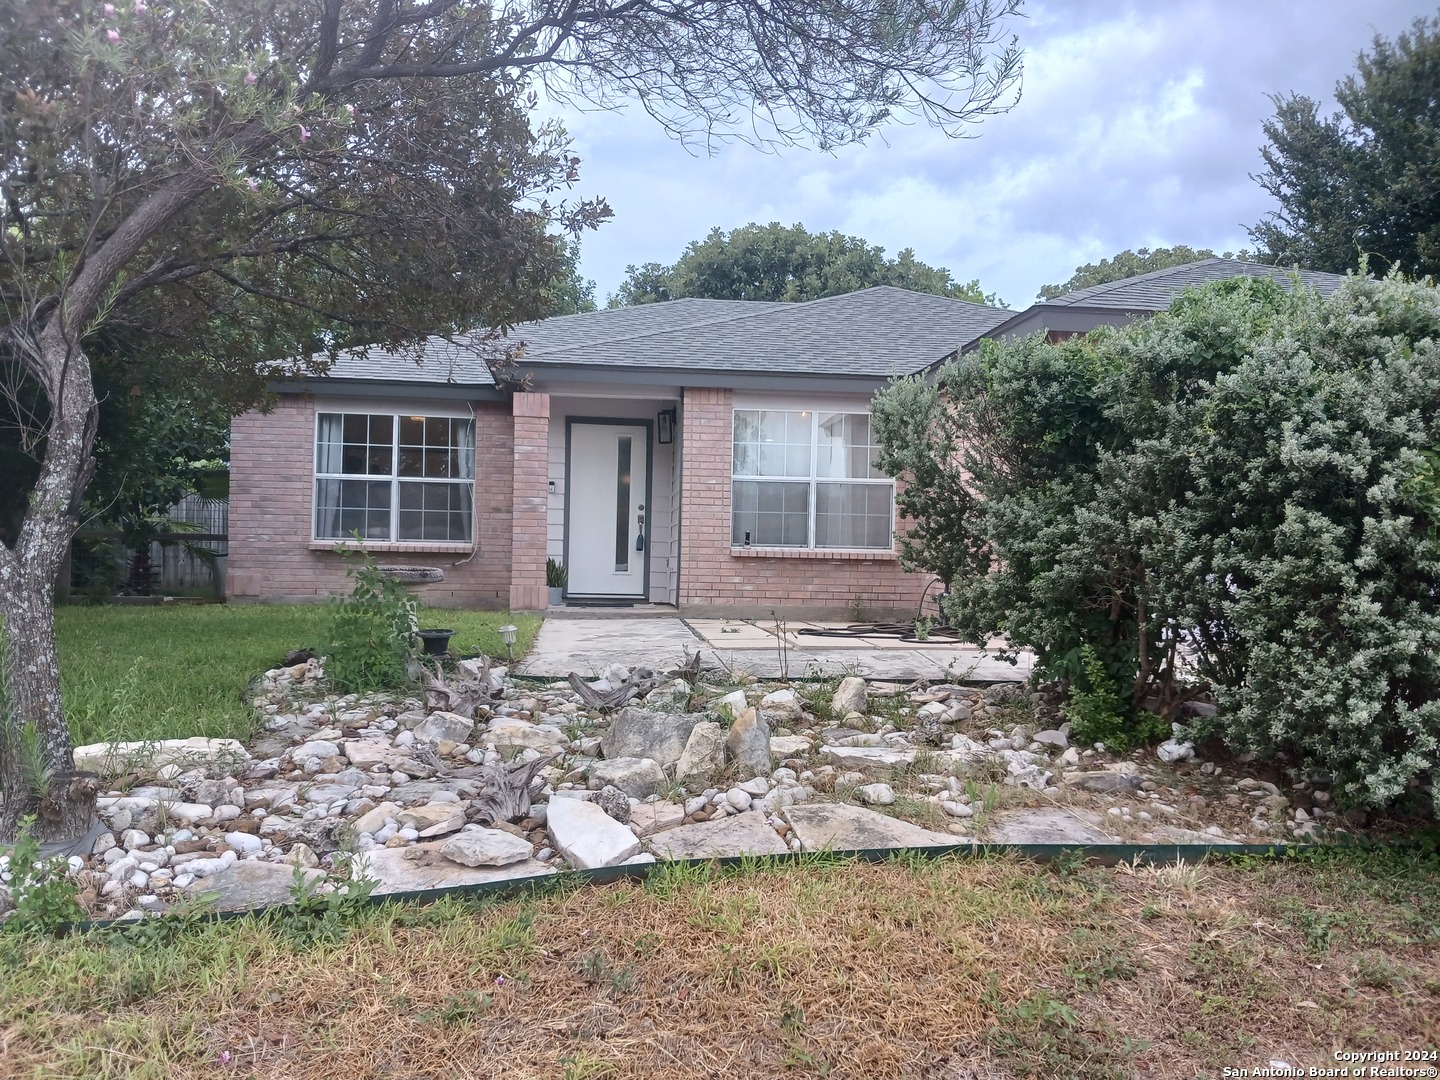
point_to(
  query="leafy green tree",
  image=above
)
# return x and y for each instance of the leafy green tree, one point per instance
(571, 293)
(775, 263)
(1126, 264)
(239, 180)
(1242, 493)
(1362, 181)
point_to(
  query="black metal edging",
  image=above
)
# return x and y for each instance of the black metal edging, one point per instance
(1103, 854)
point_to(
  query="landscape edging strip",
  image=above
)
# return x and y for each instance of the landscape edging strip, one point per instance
(1103, 854)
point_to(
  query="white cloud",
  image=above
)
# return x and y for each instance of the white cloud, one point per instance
(1139, 125)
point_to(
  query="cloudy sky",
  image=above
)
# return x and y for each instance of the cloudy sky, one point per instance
(1139, 125)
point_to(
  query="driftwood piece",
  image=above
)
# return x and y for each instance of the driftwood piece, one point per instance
(690, 670)
(505, 791)
(461, 696)
(608, 701)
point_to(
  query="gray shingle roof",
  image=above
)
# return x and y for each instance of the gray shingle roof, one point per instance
(875, 332)
(621, 324)
(1114, 302)
(1154, 291)
(461, 362)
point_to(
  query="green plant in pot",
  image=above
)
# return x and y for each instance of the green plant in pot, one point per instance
(555, 578)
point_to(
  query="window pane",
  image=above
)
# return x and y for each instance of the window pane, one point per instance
(435, 511)
(845, 447)
(437, 447)
(773, 514)
(346, 506)
(770, 442)
(365, 449)
(853, 515)
(329, 442)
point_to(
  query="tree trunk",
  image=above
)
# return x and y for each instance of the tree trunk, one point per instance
(27, 602)
(33, 683)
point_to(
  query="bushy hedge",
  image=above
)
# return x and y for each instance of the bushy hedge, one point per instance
(1242, 493)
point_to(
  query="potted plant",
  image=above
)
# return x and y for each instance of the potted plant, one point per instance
(555, 579)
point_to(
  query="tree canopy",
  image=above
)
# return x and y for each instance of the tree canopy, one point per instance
(1363, 181)
(1126, 264)
(776, 263)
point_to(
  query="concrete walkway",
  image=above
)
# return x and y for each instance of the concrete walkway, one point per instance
(588, 642)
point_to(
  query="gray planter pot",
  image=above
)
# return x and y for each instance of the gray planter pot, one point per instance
(555, 595)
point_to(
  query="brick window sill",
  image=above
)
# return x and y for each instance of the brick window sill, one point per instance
(828, 554)
(388, 546)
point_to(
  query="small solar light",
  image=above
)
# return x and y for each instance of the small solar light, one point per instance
(507, 632)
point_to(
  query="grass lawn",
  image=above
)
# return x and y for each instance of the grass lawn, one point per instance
(944, 970)
(173, 672)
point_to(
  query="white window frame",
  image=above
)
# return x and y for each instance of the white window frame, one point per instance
(814, 480)
(394, 478)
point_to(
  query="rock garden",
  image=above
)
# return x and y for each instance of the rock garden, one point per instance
(492, 778)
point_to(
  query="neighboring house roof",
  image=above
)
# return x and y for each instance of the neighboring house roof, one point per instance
(1113, 303)
(874, 333)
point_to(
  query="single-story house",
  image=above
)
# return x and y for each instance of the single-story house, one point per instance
(710, 455)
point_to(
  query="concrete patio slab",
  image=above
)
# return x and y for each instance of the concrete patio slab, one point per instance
(588, 642)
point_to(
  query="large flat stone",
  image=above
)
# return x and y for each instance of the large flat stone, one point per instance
(252, 884)
(588, 836)
(421, 866)
(704, 751)
(644, 733)
(116, 757)
(638, 778)
(842, 827)
(655, 817)
(1044, 825)
(487, 847)
(743, 834)
(868, 757)
(367, 753)
(748, 743)
(509, 735)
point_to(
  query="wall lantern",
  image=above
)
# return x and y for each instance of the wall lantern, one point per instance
(665, 429)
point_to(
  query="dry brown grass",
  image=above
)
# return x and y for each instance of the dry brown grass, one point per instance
(953, 969)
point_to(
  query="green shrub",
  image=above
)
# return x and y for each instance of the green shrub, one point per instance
(1099, 713)
(372, 633)
(1244, 491)
(42, 889)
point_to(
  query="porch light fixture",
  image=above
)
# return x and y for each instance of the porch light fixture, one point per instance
(507, 634)
(665, 429)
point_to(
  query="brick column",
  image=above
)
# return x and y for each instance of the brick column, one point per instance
(530, 501)
(705, 439)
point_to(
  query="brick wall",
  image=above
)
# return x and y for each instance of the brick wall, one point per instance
(272, 500)
(531, 501)
(714, 579)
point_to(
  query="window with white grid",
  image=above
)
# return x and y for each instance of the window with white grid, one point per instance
(804, 478)
(394, 477)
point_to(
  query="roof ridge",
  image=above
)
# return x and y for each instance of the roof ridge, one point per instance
(1149, 275)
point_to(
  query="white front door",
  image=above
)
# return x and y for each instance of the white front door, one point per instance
(606, 515)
